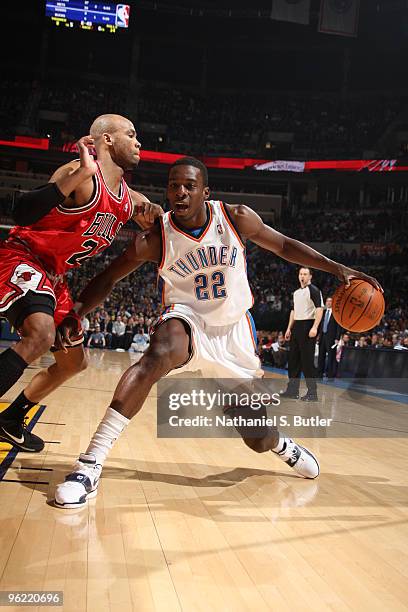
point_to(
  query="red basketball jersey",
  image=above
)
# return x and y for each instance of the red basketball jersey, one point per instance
(66, 236)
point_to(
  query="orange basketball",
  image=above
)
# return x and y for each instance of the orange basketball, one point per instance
(359, 307)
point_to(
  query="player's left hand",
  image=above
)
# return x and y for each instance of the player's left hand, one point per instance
(312, 332)
(85, 146)
(345, 275)
(66, 329)
(145, 213)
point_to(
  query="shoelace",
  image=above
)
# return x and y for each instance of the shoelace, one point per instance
(294, 456)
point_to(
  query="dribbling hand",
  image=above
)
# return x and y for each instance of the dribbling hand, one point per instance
(345, 275)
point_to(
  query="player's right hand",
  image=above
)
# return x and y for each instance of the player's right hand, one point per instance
(288, 334)
(346, 274)
(66, 329)
(88, 164)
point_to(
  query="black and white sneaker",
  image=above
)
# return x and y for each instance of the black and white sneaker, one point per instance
(80, 485)
(288, 394)
(310, 397)
(303, 462)
(17, 434)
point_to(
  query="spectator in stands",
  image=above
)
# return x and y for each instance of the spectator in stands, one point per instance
(118, 333)
(106, 327)
(374, 340)
(399, 344)
(388, 343)
(265, 348)
(85, 327)
(140, 341)
(96, 339)
(328, 338)
(280, 351)
(343, 342)
(129, 332)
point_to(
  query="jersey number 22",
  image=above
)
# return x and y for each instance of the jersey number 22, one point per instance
(210, 289)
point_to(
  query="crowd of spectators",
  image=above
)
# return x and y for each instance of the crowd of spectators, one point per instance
(274, 350)
(321, 124)
(173, 119)
(14, 94)
(120, 330)
(355, 226)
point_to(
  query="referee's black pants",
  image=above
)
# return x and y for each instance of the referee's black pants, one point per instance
(301, 357)
(325, 348)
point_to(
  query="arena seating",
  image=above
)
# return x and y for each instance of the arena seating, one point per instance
(173, 119)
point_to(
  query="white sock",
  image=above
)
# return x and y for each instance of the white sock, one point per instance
(283, 442)
(108, 431)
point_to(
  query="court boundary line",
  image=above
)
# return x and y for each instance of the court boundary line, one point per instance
(11, 455)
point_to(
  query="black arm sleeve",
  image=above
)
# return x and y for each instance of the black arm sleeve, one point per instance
(316, 296)
(34, 205)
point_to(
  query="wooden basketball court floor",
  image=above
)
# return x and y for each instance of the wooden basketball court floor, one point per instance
(202, 524)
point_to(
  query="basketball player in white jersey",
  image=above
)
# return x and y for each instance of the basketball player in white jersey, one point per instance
(199, 248)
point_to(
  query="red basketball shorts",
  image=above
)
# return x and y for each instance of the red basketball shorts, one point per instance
(26, 287)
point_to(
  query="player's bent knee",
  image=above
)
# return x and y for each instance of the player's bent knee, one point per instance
(169, 348)
(37, 334)
(39, 341)
(161, 359)
(45, 339)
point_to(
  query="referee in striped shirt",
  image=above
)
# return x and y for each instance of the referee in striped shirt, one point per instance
(305, 316)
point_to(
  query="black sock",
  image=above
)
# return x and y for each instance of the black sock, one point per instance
(18, 409)
(12, 367)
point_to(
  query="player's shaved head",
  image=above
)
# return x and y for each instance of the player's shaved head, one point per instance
(115, 136)
(109, 124)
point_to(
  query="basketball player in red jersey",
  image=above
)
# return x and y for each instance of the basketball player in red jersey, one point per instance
(75, 216)
(199, 246)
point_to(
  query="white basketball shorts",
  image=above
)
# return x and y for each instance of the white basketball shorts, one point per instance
(219, 352)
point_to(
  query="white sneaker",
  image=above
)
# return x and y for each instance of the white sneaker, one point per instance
(300, 459)
(80, 485)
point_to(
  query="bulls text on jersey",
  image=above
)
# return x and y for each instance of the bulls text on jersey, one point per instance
(103, 226)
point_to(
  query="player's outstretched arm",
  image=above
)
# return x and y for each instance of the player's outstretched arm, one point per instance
(34, 205)
(73, 175)
(145, 212)
(146, 247)
(251, 226)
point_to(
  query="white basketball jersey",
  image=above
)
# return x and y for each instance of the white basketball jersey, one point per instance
(207, 273)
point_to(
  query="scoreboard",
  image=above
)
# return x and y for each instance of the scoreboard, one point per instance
(88, 14)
